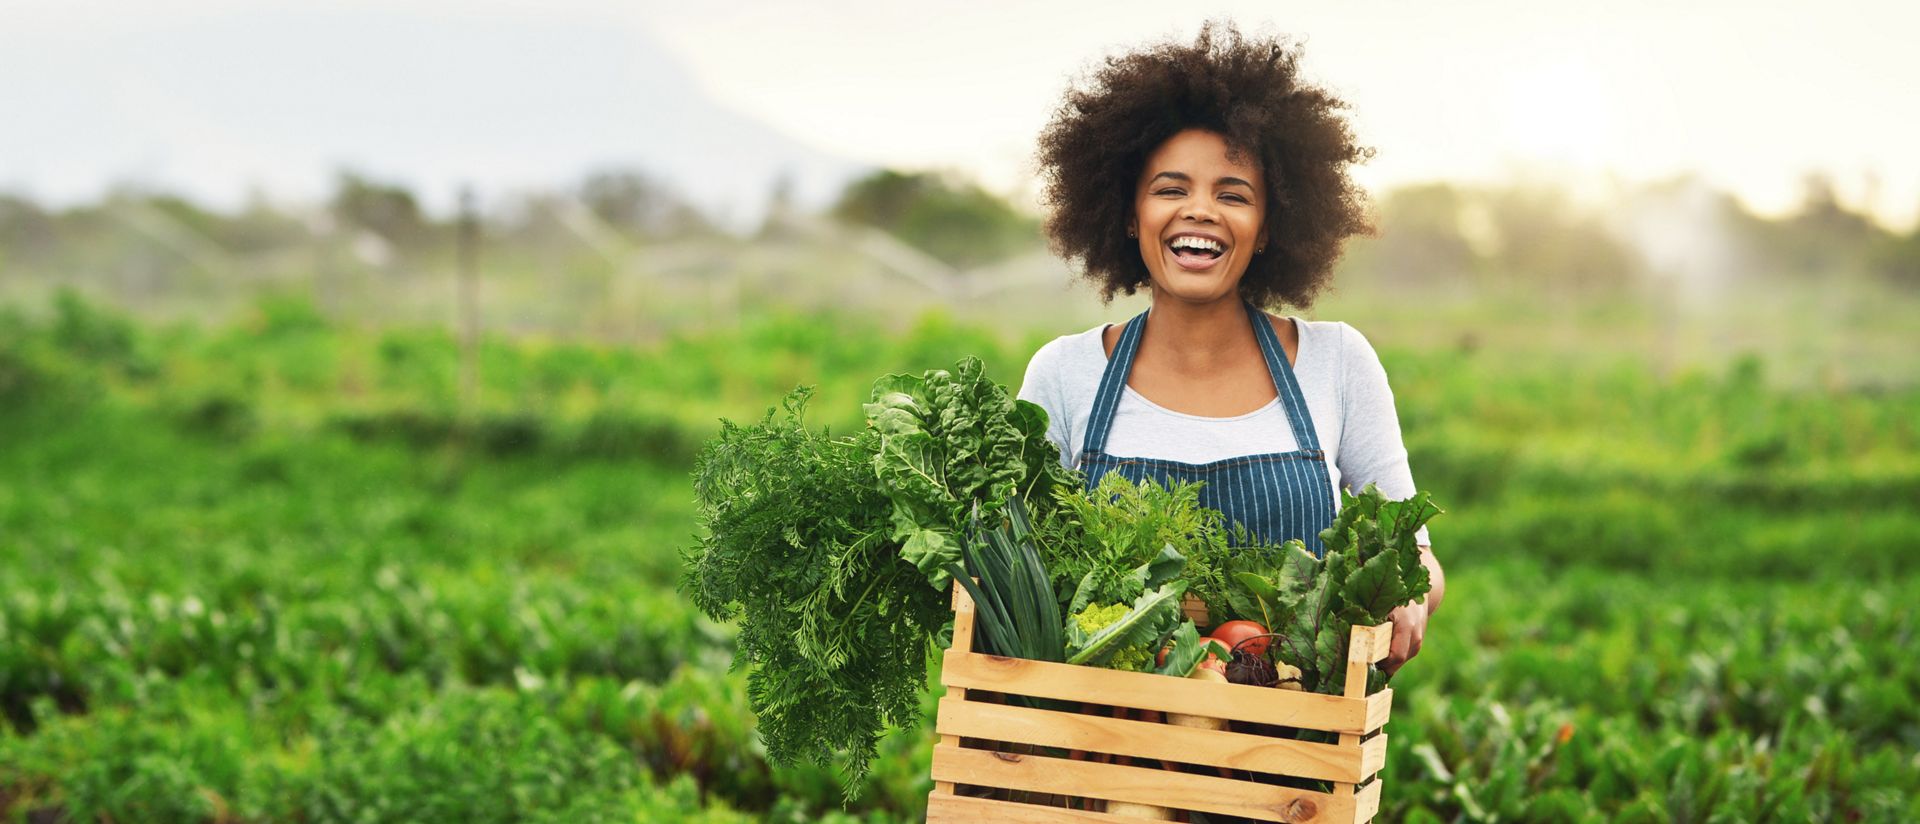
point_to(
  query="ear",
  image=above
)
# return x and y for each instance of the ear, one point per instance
(1133, 226)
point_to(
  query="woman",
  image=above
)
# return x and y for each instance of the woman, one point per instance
(1212, 175)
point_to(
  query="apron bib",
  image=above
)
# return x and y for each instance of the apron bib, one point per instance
(1275, 495)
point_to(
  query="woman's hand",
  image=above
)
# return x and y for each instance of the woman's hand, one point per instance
(1409, 629)
(1410, 621)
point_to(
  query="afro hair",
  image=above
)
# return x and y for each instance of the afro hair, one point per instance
(1249, 91)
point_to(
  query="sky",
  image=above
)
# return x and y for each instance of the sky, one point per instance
(218, 97)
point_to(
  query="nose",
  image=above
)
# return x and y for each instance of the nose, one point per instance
(1198, 209)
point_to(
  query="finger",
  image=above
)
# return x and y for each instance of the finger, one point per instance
(1397, 649)
(1419, 638)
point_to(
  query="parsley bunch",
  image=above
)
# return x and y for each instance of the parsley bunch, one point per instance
(832, 552)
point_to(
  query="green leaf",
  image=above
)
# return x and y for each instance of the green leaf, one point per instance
(1376, 589)
(1189, 650)
(931, 551)
(1163, 568)
(1140, 625)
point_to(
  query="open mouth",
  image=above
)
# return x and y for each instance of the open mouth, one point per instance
(1196, 252)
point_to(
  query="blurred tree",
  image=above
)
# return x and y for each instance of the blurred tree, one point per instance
(1897, 258)
(26, 230)
(1825, 238)
(952, 220)
(260, 227)
(1541, 237)
(638, 205)
(387, 210)
(1421, 238)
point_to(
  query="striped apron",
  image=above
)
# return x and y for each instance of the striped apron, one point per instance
(1275, 495)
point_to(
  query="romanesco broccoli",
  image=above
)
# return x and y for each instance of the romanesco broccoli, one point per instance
(1095, 617)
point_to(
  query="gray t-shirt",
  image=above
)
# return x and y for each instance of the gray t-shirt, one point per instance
(1338, 371)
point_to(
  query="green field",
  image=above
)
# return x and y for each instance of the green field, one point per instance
(274, 570)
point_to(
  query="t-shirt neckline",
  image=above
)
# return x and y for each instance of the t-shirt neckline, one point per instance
(1299, 354)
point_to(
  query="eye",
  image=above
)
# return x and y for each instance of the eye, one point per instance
(1235, 197)
(1171, 190)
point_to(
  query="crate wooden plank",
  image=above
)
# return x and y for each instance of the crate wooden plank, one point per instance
(962, 641)
(1139, 785)
(1373, 755)
(1379, 707)
(1370, 644)
(1140, 690)
(1142, 739)
(953, 809)
(1366, 803)
(1195, 609)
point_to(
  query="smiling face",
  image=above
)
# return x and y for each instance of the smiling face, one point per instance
(1199, 216)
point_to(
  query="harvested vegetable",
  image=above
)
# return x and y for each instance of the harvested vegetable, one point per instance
(834, 553)
(1201, 722)
(1123, 637)
(1243, 634)
(1247, 668)
(1371, 568)
(1014, 611)
(1149, 812)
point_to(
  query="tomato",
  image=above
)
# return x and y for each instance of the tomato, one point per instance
(1232, 633)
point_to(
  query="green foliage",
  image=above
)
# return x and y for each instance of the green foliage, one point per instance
(1122, 538)
(956, 222)
(1729, 553)
(836, 554)
(1015, 613)
(951, 442)
(388, 210)
(834, 624)
(1186, 650)
(1125, 637)
(1371, 568)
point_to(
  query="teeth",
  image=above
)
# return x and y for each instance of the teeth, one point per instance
(1189, 242)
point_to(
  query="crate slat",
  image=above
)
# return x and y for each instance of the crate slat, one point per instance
(958, 809)
(1138, 785)
(1373, 756)
(1370, 644)
(1142, 739)
(1147, 691)
(1379, 706)
(1366, 803)
(963, 643)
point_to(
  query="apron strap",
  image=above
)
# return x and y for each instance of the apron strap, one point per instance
(1284, 384)
(1112, 383)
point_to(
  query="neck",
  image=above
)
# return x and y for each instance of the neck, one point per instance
(1198, 336)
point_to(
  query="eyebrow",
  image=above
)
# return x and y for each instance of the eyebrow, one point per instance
(1183, 177)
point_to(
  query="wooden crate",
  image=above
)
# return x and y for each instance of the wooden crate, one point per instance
(997, 761)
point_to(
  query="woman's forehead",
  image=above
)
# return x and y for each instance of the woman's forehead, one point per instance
(1200, 153)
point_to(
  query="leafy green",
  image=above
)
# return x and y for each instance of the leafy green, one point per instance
(1125, 637)
(1188, 649)
(950, 442)
(798, 546)
(1371, 568)
(1014, 611)
(1117, 540)
(836, 553)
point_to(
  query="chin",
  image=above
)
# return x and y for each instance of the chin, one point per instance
(1195, 288)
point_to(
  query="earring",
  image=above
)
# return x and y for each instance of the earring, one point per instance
(1130, 233)
(1259, 250)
